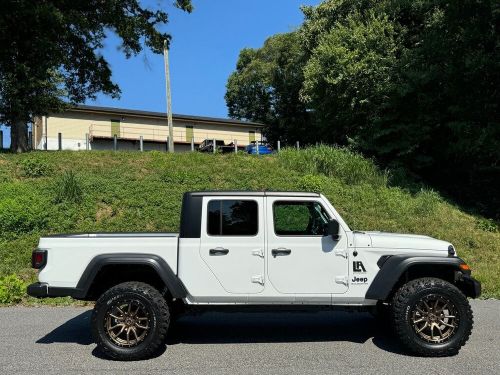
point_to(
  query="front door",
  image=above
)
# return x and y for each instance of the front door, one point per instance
(232, 242)
(301, 258)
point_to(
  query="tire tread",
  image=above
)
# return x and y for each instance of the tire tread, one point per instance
(155, 298)
(400, 302)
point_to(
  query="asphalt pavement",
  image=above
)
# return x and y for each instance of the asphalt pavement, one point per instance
(56, 340)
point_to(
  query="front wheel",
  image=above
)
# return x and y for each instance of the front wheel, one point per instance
(130, 321)
(432, 317)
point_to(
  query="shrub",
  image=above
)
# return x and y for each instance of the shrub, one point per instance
(22, 214)
(183, 177)
(487, 225)
(33, 168)
(311, 183)
(426, 202)
(68, 188)
(12, 289)
(341, 163)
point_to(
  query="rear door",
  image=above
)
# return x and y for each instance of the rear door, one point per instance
(232, 242)
(301, 258)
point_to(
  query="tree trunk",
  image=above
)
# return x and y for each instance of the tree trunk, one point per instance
(18, 136)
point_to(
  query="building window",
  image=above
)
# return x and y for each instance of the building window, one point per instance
(115, 128)
(189, 133)
(251, 136)
(232, 218)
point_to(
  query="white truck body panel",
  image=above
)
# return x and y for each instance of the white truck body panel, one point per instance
(70, 255)
(314, 262)
(241, 270)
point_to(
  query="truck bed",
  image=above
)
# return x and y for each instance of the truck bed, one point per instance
(75, 251)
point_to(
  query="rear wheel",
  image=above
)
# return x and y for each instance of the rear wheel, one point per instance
(432, 317)
(130, 321)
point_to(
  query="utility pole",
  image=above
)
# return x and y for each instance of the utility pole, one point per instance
(169, 99)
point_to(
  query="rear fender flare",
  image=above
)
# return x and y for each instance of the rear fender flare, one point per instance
(158, 264)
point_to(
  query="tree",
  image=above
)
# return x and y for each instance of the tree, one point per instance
(266, 87)
(414, 84)
(348, 75)
(49, 53)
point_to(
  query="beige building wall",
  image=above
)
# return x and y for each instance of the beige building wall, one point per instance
(75, 125)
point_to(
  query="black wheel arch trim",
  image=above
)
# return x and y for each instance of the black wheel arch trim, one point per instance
(393, 267)
(172, 282)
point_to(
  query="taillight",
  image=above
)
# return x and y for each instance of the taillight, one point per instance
(38, 258)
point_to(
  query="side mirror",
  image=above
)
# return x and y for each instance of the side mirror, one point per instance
(333, 229)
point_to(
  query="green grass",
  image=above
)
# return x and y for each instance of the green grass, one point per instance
(53, 192)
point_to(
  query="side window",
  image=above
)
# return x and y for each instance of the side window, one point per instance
(295, 218)
(232, 218)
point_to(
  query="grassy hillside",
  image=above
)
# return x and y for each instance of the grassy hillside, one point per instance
(43, 193)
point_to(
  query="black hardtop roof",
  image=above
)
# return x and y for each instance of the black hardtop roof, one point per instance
(253, 193)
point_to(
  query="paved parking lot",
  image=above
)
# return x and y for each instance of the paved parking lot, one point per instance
(57, 340)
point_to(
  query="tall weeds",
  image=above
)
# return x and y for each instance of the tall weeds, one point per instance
(343, 164)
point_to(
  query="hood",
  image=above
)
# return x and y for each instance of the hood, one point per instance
(406, 241)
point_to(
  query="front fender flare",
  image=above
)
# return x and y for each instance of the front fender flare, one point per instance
(394, 267)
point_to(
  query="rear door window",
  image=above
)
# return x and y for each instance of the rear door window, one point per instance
(232, 218)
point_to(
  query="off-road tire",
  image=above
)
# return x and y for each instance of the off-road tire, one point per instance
(158, 322)
(406, 298)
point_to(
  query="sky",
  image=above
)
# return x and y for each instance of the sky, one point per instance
(203, 53)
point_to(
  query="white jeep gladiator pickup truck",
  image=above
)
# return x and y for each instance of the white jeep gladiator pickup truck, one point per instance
(254, 250)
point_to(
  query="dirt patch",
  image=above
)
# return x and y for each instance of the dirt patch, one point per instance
(104, 211)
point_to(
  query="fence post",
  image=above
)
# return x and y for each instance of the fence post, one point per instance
(59, 141)
(1, 139)
(213, 144)
(141, 143)
(46, 145)
(298, 145)
(30, 140)
(235, 146)
(115, 142)
(87, 142)
(167, 143)
(192, 144)
(257, 151)
(279, 146)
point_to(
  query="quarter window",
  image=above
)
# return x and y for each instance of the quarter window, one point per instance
(232, 218)
(295, 218)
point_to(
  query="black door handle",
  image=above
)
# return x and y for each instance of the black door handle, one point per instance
(219, 251)
(280, 252)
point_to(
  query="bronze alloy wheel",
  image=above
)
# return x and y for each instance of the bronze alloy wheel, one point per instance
(434, 319)
(127, 323)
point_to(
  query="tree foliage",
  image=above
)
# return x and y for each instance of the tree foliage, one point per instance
(266, 87)
(50, 55)
(414, 83)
